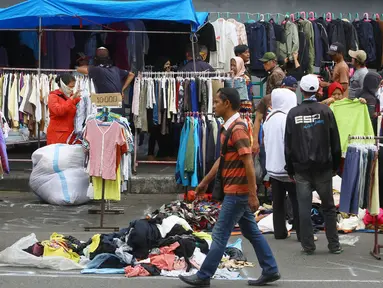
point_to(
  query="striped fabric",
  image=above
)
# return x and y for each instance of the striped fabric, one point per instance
(234, 173)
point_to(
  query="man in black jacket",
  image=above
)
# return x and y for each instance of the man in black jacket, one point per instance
(313, 153)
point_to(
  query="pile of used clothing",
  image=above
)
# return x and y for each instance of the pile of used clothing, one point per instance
(159, 245)
(201, 215)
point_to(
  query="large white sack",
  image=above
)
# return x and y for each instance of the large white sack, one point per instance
(58, 175)
(15, 256)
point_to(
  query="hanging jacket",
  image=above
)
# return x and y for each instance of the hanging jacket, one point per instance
(307, 27)
(322, 25)
(318, 45)
(257, 39)
(311, 139)
(304, 53)
(366, 39)
(335, 31)
(271, 39)
(378, 45)
(351, 36)
(62, 111)
(292, 41)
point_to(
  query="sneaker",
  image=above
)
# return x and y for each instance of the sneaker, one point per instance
(338, 250)
(315, 238)
(307, 252)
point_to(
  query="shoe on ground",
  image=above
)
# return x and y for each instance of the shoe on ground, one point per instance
(307, 252)
(315, 238)
(195, 281)
(265, 279)
(339, 250)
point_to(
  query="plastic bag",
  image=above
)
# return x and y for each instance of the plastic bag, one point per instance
(258, 170)
(58, 175)
(348, 240)
(15, 256)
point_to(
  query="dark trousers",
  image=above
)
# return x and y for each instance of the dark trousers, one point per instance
(279, 189)
(309, 181)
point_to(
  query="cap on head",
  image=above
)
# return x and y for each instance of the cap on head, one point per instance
(310, 83)
(336, 48)
(290, 81)
(359, 55)
(269, 56)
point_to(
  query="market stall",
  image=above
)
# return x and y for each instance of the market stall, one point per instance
(39, 20)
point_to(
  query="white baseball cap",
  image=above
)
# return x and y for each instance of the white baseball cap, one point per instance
(310, 83)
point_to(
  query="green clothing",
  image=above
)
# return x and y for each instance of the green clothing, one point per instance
(308, 29)
(189, 160)
(353, 119)
(292, 41)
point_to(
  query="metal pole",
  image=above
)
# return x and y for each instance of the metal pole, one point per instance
(193, 46)
(39, 74)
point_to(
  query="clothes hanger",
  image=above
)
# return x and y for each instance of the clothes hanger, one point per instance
(268, 15)
(365, 17)
(311, 16)
(262, 18)
(292, 17)
(239, 17)
(328, 17)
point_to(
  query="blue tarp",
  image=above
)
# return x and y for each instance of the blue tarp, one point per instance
(69, 12)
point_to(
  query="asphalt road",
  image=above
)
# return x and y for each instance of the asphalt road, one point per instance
(21, 215)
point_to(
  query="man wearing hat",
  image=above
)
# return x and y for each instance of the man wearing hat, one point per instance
(356, 82)
(341, 73)
(312, 154)
(276, 74)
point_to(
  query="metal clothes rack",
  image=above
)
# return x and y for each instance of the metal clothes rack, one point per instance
(36, 69)
(102, 211)
(170, 74)
(375, 252)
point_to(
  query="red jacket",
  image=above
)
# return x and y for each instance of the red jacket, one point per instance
(62, 111)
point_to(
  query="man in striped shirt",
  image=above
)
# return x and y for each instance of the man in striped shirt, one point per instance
(240, 202)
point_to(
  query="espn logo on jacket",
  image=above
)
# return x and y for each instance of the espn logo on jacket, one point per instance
(307, 119)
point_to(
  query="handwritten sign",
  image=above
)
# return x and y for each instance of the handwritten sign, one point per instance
(107, 99)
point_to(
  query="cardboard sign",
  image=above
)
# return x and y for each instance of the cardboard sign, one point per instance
(107, 99)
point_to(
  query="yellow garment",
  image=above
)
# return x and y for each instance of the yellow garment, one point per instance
(57, 247)
(112, 187)
(96, 239)
(203, 236)
(374, 209)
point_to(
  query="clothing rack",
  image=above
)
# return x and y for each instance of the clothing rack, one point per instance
(37, 69)
(170, 74)
(102, 211)
(375, 252)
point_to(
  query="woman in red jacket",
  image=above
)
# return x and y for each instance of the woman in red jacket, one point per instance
(62, 110)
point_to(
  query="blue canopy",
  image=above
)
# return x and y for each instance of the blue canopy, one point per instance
(69, 12)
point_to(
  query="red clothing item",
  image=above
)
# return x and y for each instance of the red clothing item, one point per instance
(137, 271)
(62, 111)
(333, 87)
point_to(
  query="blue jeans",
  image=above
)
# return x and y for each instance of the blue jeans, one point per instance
(235, 209)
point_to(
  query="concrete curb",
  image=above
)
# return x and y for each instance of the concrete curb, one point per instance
(140, 184)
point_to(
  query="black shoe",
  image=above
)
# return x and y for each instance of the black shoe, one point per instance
(265, 279)
(194, 280)
(307, 252)
(338, 250)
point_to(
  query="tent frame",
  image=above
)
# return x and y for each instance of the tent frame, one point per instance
(102, 211)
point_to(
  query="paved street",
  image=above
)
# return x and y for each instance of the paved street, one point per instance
(21, 214)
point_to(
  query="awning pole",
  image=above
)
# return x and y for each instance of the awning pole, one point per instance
(193, 47)
(39, 75)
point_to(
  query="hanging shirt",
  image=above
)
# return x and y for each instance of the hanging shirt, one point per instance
(358, 124)
(102, 154)
(241, 31)
(64, 42)
(226, 38)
